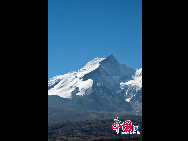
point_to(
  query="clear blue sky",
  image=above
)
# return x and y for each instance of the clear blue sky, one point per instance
(80, 30)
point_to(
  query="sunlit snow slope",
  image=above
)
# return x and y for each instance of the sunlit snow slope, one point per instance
(136, 82)
(64, 85)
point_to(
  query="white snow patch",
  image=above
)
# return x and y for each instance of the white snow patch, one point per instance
(135, 82)
(84, 85)
(128, 99)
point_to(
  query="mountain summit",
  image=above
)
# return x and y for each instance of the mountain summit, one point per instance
(103, 84)
(102, 71)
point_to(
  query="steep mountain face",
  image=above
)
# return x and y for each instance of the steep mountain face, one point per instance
(65, 85)
(133, 91)
(103, 84)
(110, 74)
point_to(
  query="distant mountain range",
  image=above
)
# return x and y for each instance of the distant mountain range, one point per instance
(102, 85)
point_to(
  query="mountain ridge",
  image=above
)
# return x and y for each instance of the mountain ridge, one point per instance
(103, 84)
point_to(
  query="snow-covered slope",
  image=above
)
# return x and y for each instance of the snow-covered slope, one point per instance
(133, 89)
(103, 84)
(136, 82)
(64, 85)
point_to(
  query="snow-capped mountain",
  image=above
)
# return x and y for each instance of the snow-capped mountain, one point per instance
(64, 85)
(103, 84)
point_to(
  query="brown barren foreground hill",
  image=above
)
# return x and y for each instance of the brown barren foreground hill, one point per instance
(90, 130)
